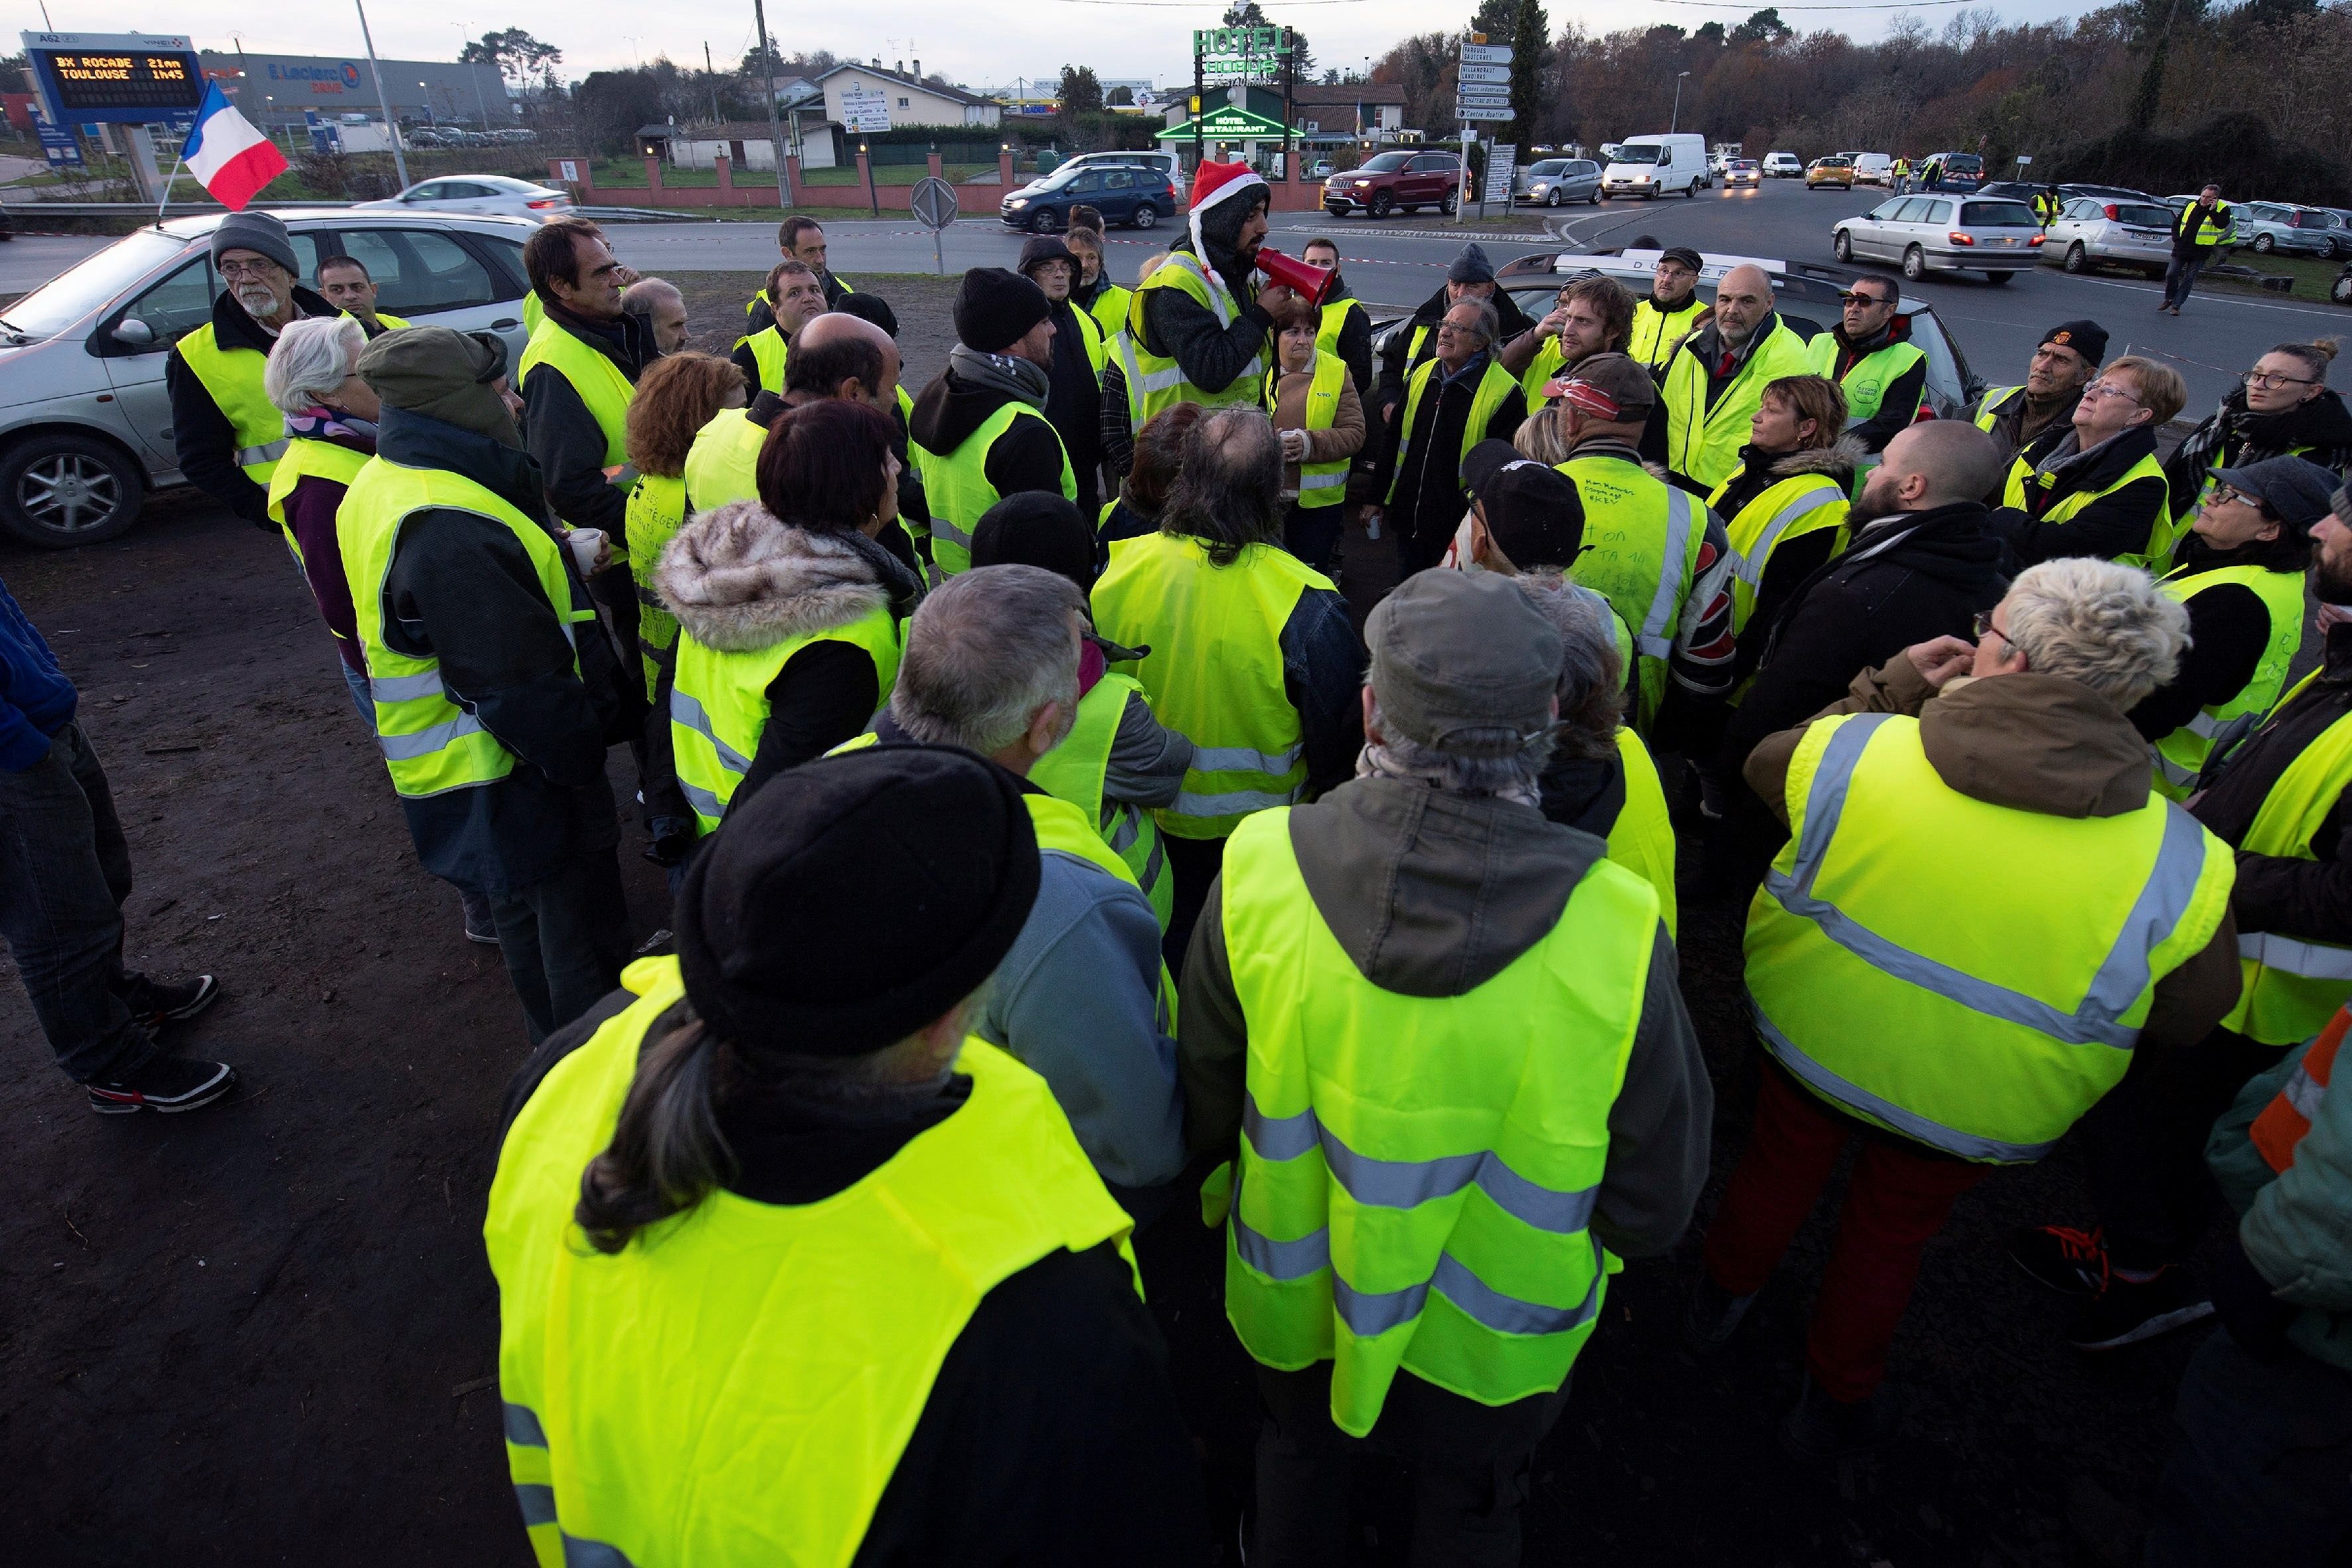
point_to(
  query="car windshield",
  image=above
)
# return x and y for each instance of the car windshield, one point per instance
(1997, 215)
(1638, 153)
(2156, 218)
(85, 287)
(1964, 164)
(1549, 166)
(1386, 164)
(1743, 163)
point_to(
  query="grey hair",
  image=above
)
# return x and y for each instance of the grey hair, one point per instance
(987, 649)
(1591, 685)
(1485, 762)
(638, 298)
(1490, 321)
(2098, 623)
(1228, 494)
(311, 358)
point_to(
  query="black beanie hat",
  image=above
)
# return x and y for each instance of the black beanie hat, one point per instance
(2085, 337)
(856, 898)
(869, 307)
(1037, 528)
(995, 309)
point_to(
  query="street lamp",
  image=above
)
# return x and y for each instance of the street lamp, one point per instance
(1676, 118)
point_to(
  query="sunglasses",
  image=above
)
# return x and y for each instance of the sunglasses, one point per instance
(1854, 297)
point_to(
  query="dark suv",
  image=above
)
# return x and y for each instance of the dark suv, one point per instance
(1140, 196)
(1394, 180)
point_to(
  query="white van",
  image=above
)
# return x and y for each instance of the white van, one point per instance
(1874, 169)
(1656, 166)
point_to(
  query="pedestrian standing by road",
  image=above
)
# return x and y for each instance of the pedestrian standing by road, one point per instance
(1591, 315)
(1470, 276)
(799, 295)
(1200, 329)
(2206, 225)
(788, 610)
(1718, 376)
(2094, 487)
(1901, 175)
(1869, 354)
(226, 432)
(1344, 327)
(1246, 651)
(979, 432)
(65, 871)
(2046, 204)
(1320, 424)
(1670, 313)
(657, 302)
(800, 240)
(975, 1377)
(1953, 1046)
(344, 283)
(497, 690)
(1369, 1064)
(2282, 407)
(1459, 397)
(2063, 364)
(1074, 405)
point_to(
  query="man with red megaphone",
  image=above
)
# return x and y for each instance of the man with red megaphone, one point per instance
(1200, 329)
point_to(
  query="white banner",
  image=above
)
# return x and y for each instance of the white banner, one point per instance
(1500, 158)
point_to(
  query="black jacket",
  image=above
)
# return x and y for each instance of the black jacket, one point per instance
(1074, 406)
(2118, 524)
(2197, 229)
(1428, 501)
(2229, 627)
(2308, 898)
(461, 589)
(1905, 579)
(1178, 327)
(1050, 1436)
(1796, 560)
(1399, 359)
(762, 315)
(1028, 457)
(1900, 402)
(2237, 436)
(202, 438)
(565, 438)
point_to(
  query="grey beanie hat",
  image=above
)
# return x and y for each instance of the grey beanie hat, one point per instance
(259, 233)
(1454, 652)
(1470, 266)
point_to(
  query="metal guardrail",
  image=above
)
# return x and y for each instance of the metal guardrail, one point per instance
(124, 209)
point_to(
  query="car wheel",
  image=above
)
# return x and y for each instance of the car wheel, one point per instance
(1999, 277)
(1452, 204)
(1146, 216)
(2077, 258)
(1553, 199)
(1044, 220)
(1594, 199)
(1383, 204)
(1843, 246)
(2340, 290)
(2265, 245)
(59, 489)
(1690, 192)
(1914, 264)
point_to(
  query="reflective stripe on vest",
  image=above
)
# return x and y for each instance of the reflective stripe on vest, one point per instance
(2282, 1124)
(956, 488)
(722, 465)
(1642, 538)
(1078, 771)
(2160, 529)
(791, 1347)
(657, 510)
(1658, 333)
(603, 387)
(719, 703)
(1855, 967)
(770, 351)
(1155, 382)
(1417, 1173)
(1324, 483)
(1787, 508)
(306, 458)
(1995, 404)
(1704, 439)
(1496, 387)
(1642, 839)
(232, 378)
(430, 744)
(1214, 672)
(2181, 756)
(2291, 987)
(1866, 382)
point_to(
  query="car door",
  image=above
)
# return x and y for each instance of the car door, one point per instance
(428, 277)
(1121, 188)
(1867, 234)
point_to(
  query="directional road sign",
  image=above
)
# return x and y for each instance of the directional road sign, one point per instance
(1485, 54)
(1485, 73)
(1467, 112)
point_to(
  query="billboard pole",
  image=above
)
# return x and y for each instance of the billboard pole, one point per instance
(768, 91)
(391, 126)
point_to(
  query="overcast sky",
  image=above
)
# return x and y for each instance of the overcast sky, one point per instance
(984, 45)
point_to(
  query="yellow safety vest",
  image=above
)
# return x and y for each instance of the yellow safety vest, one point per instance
(656, 512)
(2181, 756)
(1642, 839)
(383, 319)
(233, 379)
(2159, 528)
(1994, 404)
(1075, 770)
(1642, 543)
(1658, 333)
(1155, 382)
(957, 490)
(719, 702)
(737, 1386)
(430, 744)
(723, 463)
(602, 387)
(1417, 1173)
(1785, 510)
(1703, 442)
(769, 350)
(306, 458)
(1496, 387)
(1330, 320)
(1325, 483)
(1110, 310)
(2292, 986)
(1984, 1038)
(2184, 509)
(1090, 337)
(1547, 362)
(1866, 383)
(1214, 672)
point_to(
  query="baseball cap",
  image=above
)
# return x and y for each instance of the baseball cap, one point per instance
(1608, 386)
(1533, 511)
(2296, 489)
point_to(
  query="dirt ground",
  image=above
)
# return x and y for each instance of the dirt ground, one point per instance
(266, 1333)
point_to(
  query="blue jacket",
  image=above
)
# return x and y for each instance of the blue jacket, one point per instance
(35, 699)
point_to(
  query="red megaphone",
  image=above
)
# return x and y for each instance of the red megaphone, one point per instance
(1312, 284)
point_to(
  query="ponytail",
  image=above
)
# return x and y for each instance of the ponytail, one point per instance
(666, 1154)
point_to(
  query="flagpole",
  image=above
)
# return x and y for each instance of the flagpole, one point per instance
(390, 127)
(174, 180)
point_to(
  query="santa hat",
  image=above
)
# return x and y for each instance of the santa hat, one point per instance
(1214, 184)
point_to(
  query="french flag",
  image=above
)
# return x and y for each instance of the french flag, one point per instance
(232, 158)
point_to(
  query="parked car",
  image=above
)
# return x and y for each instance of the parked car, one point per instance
(1742, 171)
(1321, 169)
(1135, 194)
(2011, 190)
(1944, 234)
(85, 421)
(2068, 191)
(1401, 180)
(2268, 227)
(1961, 172)
(1654, 166)
(1783, 166)
(476, 193)
(1874, 169)
(1833, 170)
(2341, 289)
(1556, 182)
(1805, 293)
(2088, 233)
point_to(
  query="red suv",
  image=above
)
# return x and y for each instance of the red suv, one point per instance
(1392, 179)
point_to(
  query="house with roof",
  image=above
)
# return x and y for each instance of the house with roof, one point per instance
(908, 97)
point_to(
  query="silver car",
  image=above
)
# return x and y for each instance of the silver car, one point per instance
(2267, 226)
(1556, 182)
(478, 194)
(2088, 232)
(1944, 234)
(85, 421)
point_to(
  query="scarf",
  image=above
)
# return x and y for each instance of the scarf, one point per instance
(1377, 762)
(320, 423)
(1016, 378)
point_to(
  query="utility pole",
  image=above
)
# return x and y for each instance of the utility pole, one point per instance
(384, 100)
(1200, 102)
(768, 91)
(713, 77)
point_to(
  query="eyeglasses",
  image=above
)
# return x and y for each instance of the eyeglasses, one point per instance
(1854, 297)
(2223, 495)
(1984, 628)
(2269, 378)
(2109, 389)
(247, 268)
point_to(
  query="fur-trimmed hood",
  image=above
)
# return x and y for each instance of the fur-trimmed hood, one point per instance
(1842, 460)
(739, 579)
